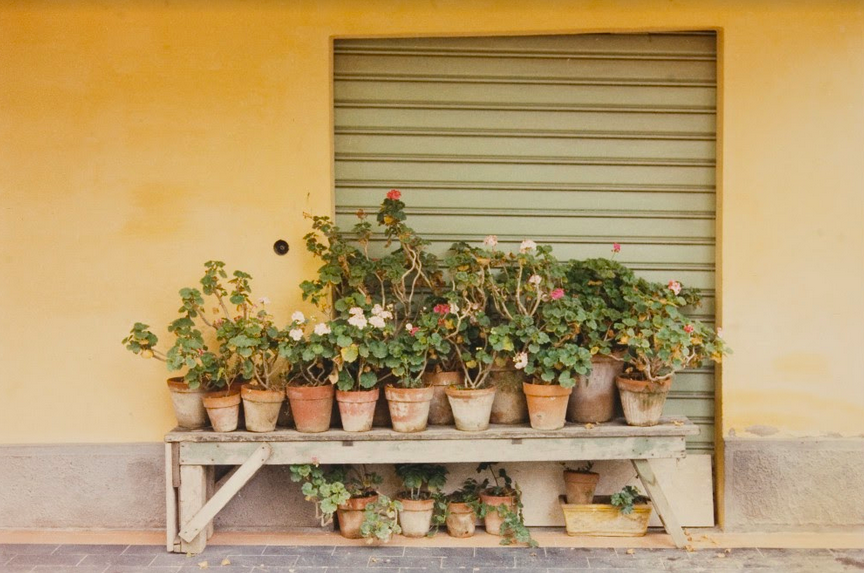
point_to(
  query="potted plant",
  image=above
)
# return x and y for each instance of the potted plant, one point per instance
(501, 507)
(325, 488)
(660, 341)
(420, 483)
(626, 514)
(580, 483)
(461, 509)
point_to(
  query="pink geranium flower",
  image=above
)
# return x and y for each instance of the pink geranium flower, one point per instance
(688, 329)
(441, 309)
(616, 247)
(556, 293)
(394, 195)
(675, 286)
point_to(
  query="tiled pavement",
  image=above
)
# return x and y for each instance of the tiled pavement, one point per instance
(393, 559)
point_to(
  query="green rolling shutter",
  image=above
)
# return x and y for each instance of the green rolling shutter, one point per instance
(577, 141)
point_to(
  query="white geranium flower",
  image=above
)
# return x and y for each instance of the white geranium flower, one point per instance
(322, 328)
(298, 317)
(535, 280)
(264, 300)
(454, 308)
(378, 310)
(296, 334)
(491, 241)
(358, 320)
(377, 321)
(527, 245)
(409, 326)
(521, 360)
(355, 311)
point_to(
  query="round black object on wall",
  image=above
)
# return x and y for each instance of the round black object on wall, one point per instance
(281, 247)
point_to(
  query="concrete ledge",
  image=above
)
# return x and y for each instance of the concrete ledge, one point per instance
(786, 484)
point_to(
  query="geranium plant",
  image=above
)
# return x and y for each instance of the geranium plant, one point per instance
(513, 529)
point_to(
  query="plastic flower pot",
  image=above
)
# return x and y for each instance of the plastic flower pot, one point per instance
(440, 413)
(223, 409)
(312, 407)
(409, 408)
(350, 515)
(493, 520)
(471, 408)
(580, 486)
(460, 520)
(643, 400)
(357, 409)
(547, 405)
(261, 407)
(593, 397)
(415, 517)
(188, 404)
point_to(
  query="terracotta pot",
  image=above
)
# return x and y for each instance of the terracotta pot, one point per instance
(261, 407)
(440, 413)
(188, 404)
(580, 486)
(415, 518)
(493, 519)
(409, 408)
(357, 409)
(223, 409)
(312, 407)
(643, 400)
(509, 406)
(593, 397)
(471, 408)
(350, 515)
(460, 520)
(547, 405)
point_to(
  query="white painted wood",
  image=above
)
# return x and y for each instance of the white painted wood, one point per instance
(210, 478)
(170, 499)
(661, 504)
(193, 496)
(194, 524)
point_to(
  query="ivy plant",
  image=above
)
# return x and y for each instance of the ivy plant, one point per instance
(625, 499)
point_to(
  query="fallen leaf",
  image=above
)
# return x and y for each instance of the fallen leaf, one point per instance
(631, 551)
(589, 426)
(677, 423)
(374, 560)
(689, 548)
(728, 550)
(721, 555)
(226, 561)
(204, 565)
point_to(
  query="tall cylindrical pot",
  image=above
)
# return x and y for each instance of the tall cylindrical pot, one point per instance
(188, 404)
(493, 520)
(580, 486)
(350, 515)
(409, 408)
(460, 520)
(415, 517)
(261, 407)
(440, 413)
(471, 408)
(593, 397)
(223, 409)
(643, 400)
(510, 405)
(357, 409)
(312, 407)
(547, 405)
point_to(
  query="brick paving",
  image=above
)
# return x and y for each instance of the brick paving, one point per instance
(17, 558)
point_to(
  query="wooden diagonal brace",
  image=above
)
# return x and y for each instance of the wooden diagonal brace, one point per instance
(243, 474)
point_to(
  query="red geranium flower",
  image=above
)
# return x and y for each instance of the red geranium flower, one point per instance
(441, 309)
(394, 195)
(688, 329)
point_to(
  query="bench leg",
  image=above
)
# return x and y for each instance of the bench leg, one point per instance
(170, 500)
(661, 504)
(193, 496)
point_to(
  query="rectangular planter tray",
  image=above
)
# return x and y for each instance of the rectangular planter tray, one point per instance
(604, 519)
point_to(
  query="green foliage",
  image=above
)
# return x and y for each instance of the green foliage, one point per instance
(626, 498)
(421, 481)
(513, 529)
(380, 520)
(583, 469)
(325, 488)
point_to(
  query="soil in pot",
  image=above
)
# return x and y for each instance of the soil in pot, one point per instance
(472, 409)
(409, 408)
(580, 486)
(593, 397)
(415, 517)
(350, 515)
(440, 413)
(643, 400)
(223, 409)
(261, 407)
(493, 520)
(312, 407)
(547, 405)
(357, 409)
(188, 404)
(509, 406)
(460, 520)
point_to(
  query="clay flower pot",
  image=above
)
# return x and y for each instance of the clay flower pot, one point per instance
(471, 408)
(460, 520)
(493, 520)
(547, 405)
(223, 409)
(593, 397)
(415, 517)
(261, 407)
(440, 413)
(188, 404)
(357, 409)
(350, 515)
(509, 406)
(643, 400)
(312, 407)
(409, 407)
(580, 486)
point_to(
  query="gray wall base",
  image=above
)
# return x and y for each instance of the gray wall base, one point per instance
(794, 484)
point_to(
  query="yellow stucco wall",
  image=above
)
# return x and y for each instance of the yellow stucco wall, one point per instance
(138, 140)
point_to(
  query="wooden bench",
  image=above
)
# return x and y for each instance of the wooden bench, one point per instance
(193, 498)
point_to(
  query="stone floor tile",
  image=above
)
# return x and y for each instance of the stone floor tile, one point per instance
(28, 548)
(15, 568)
(67, 560)
(367, 550)
(258, 561)
(137, 569)
(217, 568)
(223, 550)
(538, 558)
(401, 561)
(101, 549)
(299, 549)
(626, 562)
(144, 550)
(105, 560)
(439, 552)
(56, 569)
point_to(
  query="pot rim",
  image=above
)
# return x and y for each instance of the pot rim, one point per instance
(211, 401)
(644, 386)
(545, 390)
(177, 385)
(309, 392)
(254, 394)
(358, 395)
(399, 394)
(462, 392)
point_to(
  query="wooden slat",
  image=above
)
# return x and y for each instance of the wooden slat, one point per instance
(170, 497)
